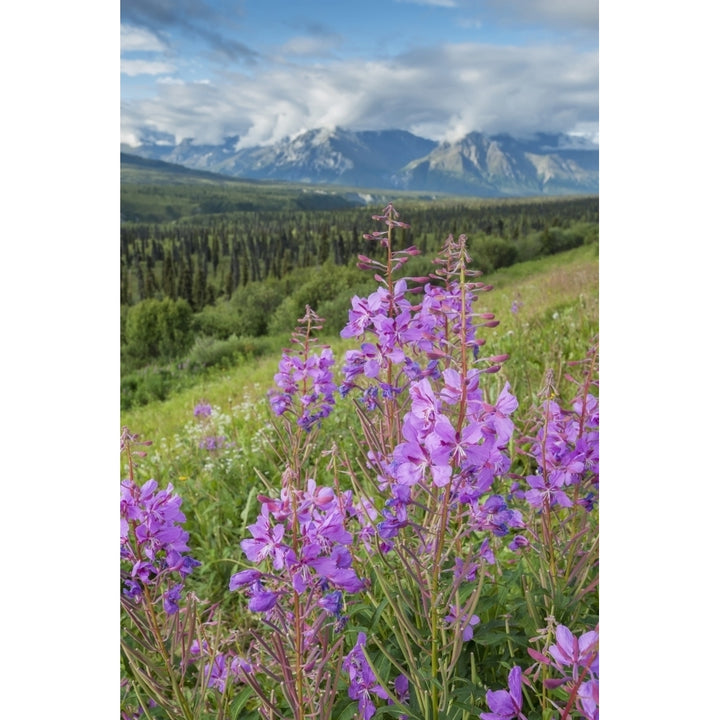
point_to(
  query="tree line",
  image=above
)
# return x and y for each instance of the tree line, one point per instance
(205, 259)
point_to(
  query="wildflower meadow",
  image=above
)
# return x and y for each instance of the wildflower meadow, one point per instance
(394, 531)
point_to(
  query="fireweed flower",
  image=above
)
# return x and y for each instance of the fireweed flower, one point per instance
(575, 652)
(202, 409)
(171, 599)
(304, 536)
(495, 516)
(518, 543)
(362, 314)
(261, 600)
(547, 490)
(244, 578)
(212, 442)
(304, 384)
(402, 688)
(152, 542)
(452, 619)
(506, 705)
(566, 449)
(589, 699)
(332, 603)
(363, 683)
(266, 541)
(223, 668)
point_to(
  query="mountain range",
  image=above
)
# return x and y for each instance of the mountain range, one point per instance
(478, 164)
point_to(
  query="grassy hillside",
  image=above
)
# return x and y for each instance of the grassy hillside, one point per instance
(557, 314)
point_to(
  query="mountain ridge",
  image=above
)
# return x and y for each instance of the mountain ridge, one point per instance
(478, 164)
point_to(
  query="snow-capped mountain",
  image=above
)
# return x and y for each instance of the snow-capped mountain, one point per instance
(478, 164)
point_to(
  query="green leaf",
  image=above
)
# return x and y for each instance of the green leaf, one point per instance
(237, 707)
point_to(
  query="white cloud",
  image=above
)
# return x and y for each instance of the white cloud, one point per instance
(145, 67)
(560, 14)
(439, 93)
(133, 39)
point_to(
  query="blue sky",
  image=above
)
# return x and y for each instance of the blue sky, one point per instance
(267, 69)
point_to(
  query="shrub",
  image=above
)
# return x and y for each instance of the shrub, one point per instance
(490, 253)
(255, 303)
(219, 321)
(158, 330)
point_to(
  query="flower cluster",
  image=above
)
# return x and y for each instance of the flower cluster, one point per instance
(303, 537)
(566, 449)
(363, 683)
(203, 409)
(212, 442)
(304, 382)
(221, 668)
(437, 445)
(153, 545)
(451, 434)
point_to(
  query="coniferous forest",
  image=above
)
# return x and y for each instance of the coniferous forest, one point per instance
(217, 282)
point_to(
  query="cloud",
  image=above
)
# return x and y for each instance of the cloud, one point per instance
(439, 93)
(311, 46)
(133, 39)
(211, 25)
(145, 67)
(559, 15)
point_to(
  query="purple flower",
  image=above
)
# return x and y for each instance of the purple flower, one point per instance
(336, 569)
(518, 543)
(575, 652)
(240, 665)
(363, 682)
(244, 578)
(494, 515)
(588, 502)
(261, 600)
(362, 314)
(203, 409)
(304, 385)
(402, 688)
(266, 541)
(332, 603)
(589, 699)
(171, 599)
(452, 619)
(152, 541)
(133, 589)
(547, 491)
(212, 442)
(498, 416)
(506, 705)
(217, 672)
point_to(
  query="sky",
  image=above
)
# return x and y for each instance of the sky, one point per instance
(263, 70)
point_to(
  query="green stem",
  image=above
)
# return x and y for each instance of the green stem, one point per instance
(154, 627)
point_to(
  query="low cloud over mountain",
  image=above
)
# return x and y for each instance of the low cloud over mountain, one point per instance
(477, 164)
